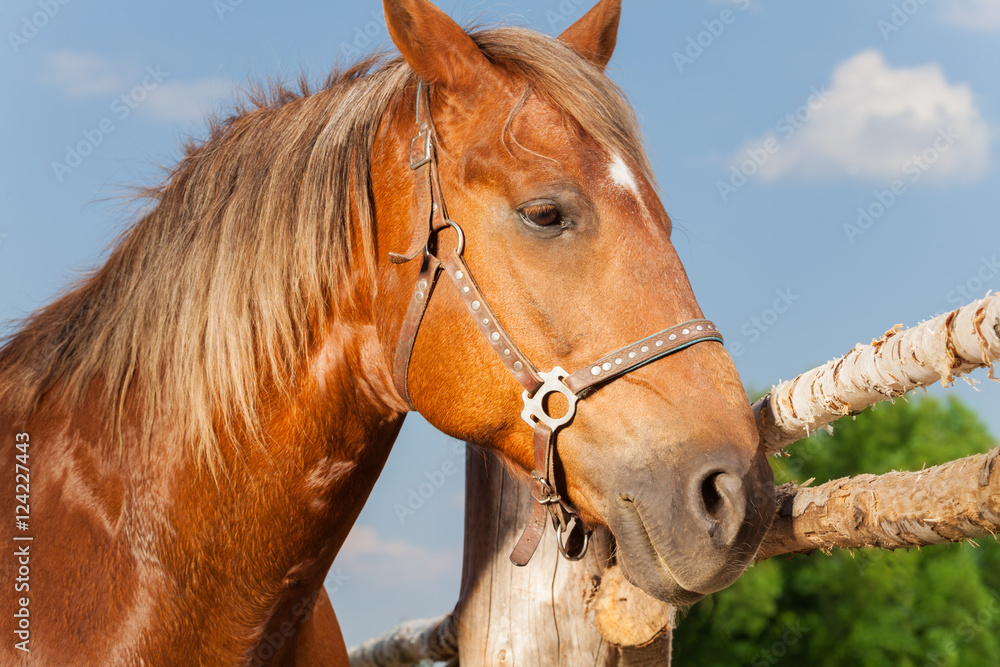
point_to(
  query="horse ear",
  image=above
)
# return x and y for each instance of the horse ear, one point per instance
(595, 34)
(436, 47)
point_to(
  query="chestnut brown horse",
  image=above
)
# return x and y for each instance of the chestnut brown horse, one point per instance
(204, 416)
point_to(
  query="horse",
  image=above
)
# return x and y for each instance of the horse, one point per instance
(200, 420)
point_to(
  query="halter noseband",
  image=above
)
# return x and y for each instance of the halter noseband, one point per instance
(432, 218)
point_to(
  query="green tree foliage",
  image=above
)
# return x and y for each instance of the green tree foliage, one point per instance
(934, 607)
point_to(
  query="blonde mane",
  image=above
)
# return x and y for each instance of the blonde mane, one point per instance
(218, 293)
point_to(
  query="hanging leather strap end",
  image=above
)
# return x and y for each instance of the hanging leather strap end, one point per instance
(532, 535)
(397, 258)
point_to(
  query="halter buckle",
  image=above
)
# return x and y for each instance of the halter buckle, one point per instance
(549, 496)
(417, 160)
(534, 406)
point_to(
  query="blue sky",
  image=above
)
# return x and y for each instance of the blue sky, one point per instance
(830, 167)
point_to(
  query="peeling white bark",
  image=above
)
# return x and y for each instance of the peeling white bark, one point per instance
(941, 349)
(952, 502)
(408, 644)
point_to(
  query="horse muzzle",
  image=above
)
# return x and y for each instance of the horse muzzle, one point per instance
(685, 532)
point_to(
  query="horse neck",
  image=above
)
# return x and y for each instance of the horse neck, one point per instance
(324, 449)
(257, 534)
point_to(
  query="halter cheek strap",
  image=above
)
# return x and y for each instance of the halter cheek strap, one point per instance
(431, 217)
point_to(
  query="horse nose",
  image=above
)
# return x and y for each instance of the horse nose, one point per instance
(693, 523)
(717, 500)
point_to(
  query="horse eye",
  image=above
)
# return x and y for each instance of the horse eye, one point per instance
(542, 215)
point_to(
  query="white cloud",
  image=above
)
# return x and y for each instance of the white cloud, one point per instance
(974, 14)
(178, 100)
(82, 74)
(151, 90)
(874, 122)
(394, 562)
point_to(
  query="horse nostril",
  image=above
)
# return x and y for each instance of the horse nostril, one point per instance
(718, 500)
(710, 496)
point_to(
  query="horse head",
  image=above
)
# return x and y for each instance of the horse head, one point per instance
(514, 173)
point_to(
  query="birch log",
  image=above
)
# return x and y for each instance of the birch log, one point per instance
(408, 644)
(952, 502)
(940, 349)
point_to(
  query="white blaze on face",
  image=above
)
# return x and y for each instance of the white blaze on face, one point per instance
(622, 176)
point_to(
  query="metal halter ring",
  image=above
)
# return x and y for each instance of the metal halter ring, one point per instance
(461, 236)
(534, 406)
(562, 547)
(461, 239)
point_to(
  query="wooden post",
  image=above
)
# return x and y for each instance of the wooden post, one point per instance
(541, 614)
(552, 611)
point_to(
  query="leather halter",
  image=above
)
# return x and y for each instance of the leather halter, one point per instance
(432, 217)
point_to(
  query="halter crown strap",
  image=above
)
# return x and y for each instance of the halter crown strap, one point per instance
(424, 166)
(431, 216)
(429, 212)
